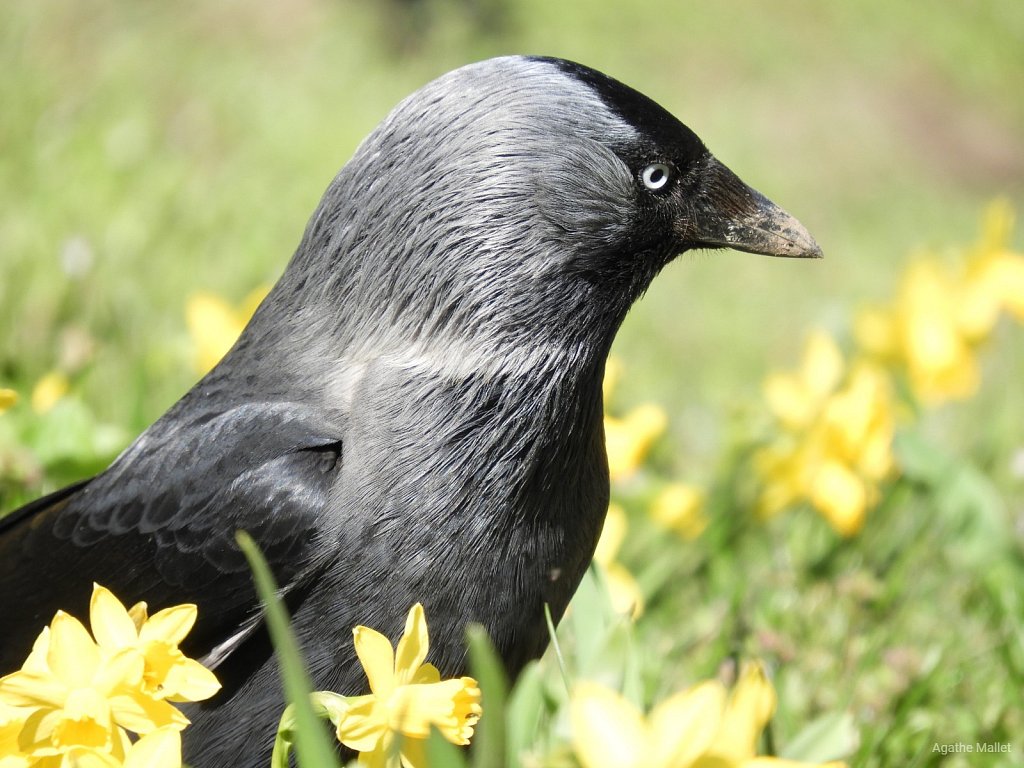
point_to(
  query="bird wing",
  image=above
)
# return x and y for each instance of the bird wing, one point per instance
(159, 524)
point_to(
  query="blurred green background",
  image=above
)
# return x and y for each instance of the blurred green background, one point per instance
(150, 150)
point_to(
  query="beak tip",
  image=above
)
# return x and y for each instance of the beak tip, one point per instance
(811, 251)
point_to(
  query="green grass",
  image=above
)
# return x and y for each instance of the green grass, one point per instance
(165, 149)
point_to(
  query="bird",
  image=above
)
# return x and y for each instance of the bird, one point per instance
(414, 413)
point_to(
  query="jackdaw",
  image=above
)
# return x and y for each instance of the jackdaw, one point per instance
(414, 413)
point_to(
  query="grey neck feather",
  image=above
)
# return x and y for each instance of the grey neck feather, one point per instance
(453, 228)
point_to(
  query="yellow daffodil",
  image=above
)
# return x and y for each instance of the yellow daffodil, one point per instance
(48, 391)
(77, 696)
(159, 749)
(623, 591)
(701, 727)
(215, 325)
(929, 333)
(610, 732)
(680, 507)
(12, 719)
(612, 373)
(80, 697)
(167, 672)
(835, 446)
(389, 726)
(943, 311)
(994, 277)
(8, 397)
(629, 438)
(750, 706)
(796, 398)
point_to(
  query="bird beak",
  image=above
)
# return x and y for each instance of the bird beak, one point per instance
(726, 213)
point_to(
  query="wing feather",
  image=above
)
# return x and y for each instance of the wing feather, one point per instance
(159, 524)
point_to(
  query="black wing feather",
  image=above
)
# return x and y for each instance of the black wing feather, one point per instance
(159, 524)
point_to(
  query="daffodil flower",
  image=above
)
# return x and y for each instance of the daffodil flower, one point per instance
(12, 719)
(48, 391)
(158, 749)
(78, 696)
(994, 279)
(389, 726)
(629, 438)
(838, 424)
(167, 672)
(943, 311)
(623, 590)
(610, 732)
(215, 325)
(679, 507)
(796, 398)
(705, 726)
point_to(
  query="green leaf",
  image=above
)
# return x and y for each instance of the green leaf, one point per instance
(831, 737)
(919, 459)
(312, 746)
(525, 710)
(590, 617)
(441, 753)
(489, 739)
(606, 652)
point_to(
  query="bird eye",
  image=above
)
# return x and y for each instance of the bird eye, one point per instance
(655, 176)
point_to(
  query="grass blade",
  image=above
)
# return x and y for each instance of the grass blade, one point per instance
(489, 740)
(312, 747)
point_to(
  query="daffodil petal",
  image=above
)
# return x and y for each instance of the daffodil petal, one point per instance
(427, 673)
(680, 507)
(36, 661)
(613, 532)
(612, 373)
(124, 668)
(111, 625)
(875, 331)
(377, 657)
(684, 725)
(213, 327)
(37, 730)
(171, 625)
(452, 706)
(607, 730)
(48, 391)
(381, 754)
(362, 724)
(139, 614)
(822, 366)
(788, 400)
(80, 757)
(142, 714)
(191, 681)
(748, 710)
(159, 749)
(841, 496)
(413, 645)
(413, 753)
(27, 689)
(72, 656)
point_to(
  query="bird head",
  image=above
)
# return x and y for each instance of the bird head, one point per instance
(523, 197)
